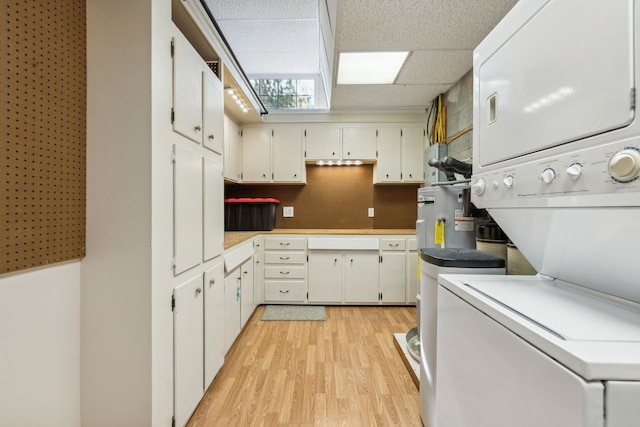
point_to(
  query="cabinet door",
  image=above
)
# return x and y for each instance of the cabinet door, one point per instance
(247, 304)
(325, 277)
(232, 150)
(393, 277)
(359, 143)
(213, 322)
(361, 277)
(256, 155)
(288, 162)
(412, 276)
(213, 112)
(187, 348)
(258, 271)
(389, 145)
(322, 143)
(231, 308)
(187, 90)
(213, 207)
(187, 207)
(412, 154)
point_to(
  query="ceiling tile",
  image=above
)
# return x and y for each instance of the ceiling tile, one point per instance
(288, 64)
(389, 97)
(263, 9)
(436, 67)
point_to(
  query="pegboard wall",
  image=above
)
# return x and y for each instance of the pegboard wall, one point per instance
(43, 122)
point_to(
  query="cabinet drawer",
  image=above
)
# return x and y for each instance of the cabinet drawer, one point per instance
(282, 272)
(393, 244)
(285, 291)
(285, 243)
(285, 257)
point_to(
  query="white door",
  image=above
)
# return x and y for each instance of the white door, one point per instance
(389, 146)
(187, 208)
(392, 276)
(187, 90)
(231, 308)
(213, 112)
(361, 277)
(246, 291)
(213, 322)
(359, 143)
(256, 155)
(325, 277)
(412, 154)
(288, 162)
(322, 143)
(488, 376)
(187, 348)
(213, 207)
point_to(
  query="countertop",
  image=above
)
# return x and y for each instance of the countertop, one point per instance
(232, 238)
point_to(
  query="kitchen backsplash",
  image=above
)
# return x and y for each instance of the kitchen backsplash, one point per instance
(338, 197)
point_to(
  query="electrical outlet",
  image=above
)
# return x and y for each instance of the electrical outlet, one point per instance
(370, 212)
(287, 211)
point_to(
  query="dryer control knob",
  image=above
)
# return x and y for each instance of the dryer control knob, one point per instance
(574, 171)
(625, 165)
(479, 187)
(508, 181)
(548, 175)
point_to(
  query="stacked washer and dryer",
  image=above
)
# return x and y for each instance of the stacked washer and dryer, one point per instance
(556, 163)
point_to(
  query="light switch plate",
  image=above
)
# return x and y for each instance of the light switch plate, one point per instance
(287, 211)
(370, 212)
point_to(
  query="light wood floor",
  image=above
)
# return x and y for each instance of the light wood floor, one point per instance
(344, 371)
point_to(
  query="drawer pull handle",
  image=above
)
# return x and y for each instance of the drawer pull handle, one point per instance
(285, 272)
(284, 258)
(394, 246)
(284, 292)
(284, 243)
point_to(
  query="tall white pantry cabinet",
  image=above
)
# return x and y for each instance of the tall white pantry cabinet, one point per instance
(152, 273)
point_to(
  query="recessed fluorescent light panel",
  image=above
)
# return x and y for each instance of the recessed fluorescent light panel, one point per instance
(369, 68)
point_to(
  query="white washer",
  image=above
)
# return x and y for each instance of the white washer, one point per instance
(435, 261)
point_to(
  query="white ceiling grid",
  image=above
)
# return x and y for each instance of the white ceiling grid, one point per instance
(282, 37)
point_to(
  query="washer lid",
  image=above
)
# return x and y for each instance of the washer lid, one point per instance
(568, 313)
(461, 258)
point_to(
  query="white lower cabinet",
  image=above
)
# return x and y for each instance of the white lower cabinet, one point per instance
(325, 277)
(247, 304)
(361, 277)
(231, 308)
(285, 269)
(213, 321)
(188, 346)
(412, 270)
(393, 269)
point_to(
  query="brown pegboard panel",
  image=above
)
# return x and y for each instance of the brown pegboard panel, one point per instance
(43, 122)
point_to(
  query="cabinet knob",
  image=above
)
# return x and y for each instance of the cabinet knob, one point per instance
(211, 137)
(212, 282)
(198, 128)
(198, 291)
(348, 153)
(264, 175)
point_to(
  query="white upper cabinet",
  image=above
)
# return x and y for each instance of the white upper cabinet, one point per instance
(232, 150)
(400, 154)
(412, 154)
(187, 90)
(198, 103)
(359, 143)
(322, 143)
(213, 112)
(389, 143)
(288, 162)
(256, 155)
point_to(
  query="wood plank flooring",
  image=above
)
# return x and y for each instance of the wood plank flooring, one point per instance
(344, 371)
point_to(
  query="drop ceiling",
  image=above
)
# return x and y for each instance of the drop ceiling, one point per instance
(283, 38)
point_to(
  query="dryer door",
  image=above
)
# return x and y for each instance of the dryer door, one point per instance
(488, 376)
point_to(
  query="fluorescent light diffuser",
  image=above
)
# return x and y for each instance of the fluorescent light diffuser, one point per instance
(362, 68)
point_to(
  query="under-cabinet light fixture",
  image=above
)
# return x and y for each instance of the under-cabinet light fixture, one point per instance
(232, 92)
(339, 163)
